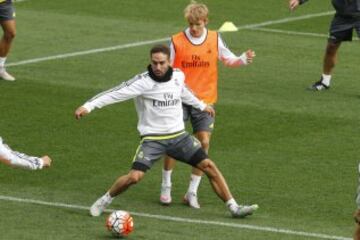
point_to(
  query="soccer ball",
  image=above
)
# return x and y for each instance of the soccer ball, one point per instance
(120, 223)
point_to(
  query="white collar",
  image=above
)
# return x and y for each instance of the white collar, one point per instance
(194, 40)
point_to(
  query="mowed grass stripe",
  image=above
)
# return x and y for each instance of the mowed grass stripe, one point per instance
(87, 52)
(184, 220)
(142, 43)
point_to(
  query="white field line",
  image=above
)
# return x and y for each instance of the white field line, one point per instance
(87, 52)
(142, 43)
(286, 20)
(319, 35)
(290, 32)
(184, 220)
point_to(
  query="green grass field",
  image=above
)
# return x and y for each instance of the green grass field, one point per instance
(292, 151)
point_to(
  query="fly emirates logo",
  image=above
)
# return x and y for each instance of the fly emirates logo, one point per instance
(195, 62)
(168, 101)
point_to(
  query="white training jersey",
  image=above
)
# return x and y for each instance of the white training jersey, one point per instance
(18, 159)
(158, 104)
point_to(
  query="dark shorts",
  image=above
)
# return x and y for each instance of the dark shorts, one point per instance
(182, 147)
(341, 28)
(200, 121)
(7, 11)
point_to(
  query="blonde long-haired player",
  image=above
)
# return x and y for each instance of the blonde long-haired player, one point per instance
(196, 52)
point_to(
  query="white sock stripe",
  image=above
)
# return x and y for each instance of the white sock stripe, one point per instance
(185, 220)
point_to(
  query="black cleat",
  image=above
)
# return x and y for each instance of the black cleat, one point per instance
(319, 85)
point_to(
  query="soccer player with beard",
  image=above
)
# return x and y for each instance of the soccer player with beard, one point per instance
(159, 93)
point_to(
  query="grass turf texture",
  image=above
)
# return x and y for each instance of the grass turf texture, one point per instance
(290, 150)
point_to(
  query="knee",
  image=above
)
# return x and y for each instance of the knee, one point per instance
(205, 144)
(332, 48)
(208, 167)
(204, 139)
(134, 178)
(9, 35)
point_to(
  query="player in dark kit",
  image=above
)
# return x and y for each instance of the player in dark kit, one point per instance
(346, 19)
(7, 22)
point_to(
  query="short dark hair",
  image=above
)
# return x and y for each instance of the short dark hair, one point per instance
(160, 49)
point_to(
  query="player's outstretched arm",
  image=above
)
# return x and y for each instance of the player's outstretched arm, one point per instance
(21, 160)
(229, 59)
(46, 161)
(80, 112)
(250, 55)
(293, 4)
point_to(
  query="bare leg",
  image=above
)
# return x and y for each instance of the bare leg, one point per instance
(329, 62)
(9, 28)
(169, 163)
(357, 227)
(221, 188)
(330, 57)
(124, 182)
(216, 178)
(204, 138)
(119, 186)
